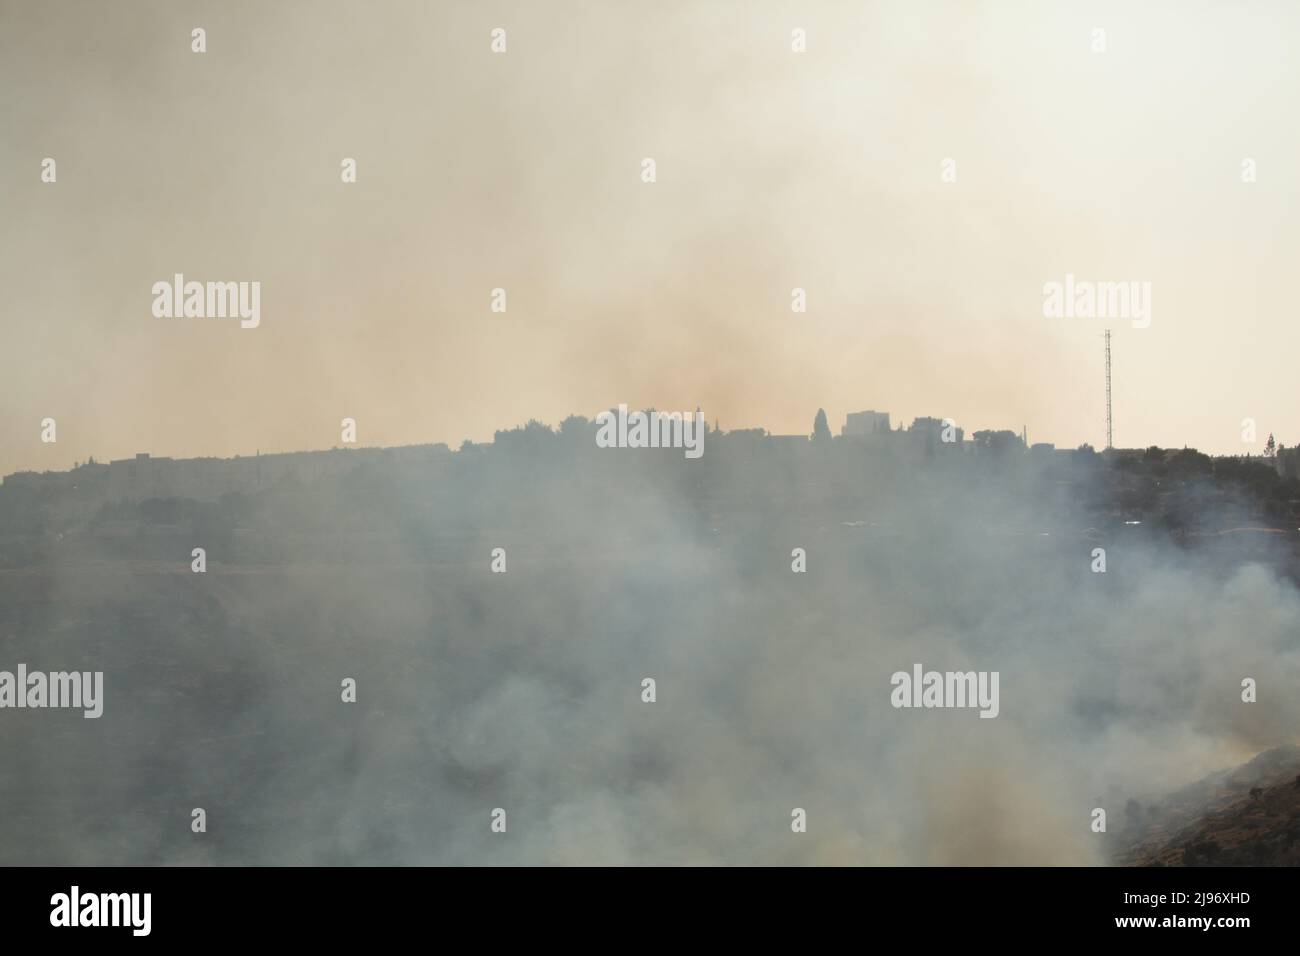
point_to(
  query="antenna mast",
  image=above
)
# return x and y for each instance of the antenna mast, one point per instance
(1108, 418)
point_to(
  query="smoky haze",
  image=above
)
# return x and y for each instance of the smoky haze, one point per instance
(776, 171)
(522, 690)
(521, 171)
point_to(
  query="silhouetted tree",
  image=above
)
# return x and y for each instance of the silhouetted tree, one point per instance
(997, 442)
(575, 424)
(820, 429)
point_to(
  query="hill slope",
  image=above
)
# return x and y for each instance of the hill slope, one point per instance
(1249, 816)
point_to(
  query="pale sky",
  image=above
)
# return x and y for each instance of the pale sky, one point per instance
(522, 170)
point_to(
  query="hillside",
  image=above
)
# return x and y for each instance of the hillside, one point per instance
(1246, 816)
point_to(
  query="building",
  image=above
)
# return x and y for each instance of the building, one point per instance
(858, 424)
(937, 431)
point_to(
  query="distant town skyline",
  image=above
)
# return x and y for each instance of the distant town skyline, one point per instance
(855, 424)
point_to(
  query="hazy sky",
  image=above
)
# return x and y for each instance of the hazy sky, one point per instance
(522, 170)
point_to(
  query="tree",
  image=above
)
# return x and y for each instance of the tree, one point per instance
(1189, 461)
(1270, 447)
(996, 442)
(820, 429)
(575, 428)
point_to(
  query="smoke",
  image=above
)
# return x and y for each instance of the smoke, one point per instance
(523, 690)
(476, 171)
